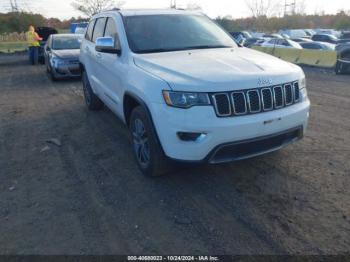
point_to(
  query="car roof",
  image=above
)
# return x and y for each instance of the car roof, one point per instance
(138, 12)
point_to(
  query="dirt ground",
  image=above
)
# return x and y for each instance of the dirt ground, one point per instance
(88, 197)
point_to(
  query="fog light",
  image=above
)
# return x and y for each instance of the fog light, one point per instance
(188, 136)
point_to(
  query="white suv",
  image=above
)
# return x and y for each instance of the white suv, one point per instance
(186, 91)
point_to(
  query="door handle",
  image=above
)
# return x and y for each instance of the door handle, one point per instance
(98, 55)
(87, 49)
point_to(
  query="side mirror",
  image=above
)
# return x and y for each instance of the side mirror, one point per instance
(48, 48)
(107, 45)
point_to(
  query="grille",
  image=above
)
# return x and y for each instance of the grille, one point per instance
(239, 103)
(222, 104)
(278, 96)
(257, 100)
(296, 92)
(288, 94)
(266, 97)
(253, 101)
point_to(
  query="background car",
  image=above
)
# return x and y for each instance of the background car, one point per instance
(294, 33)
(254, 41)
(301, 40)
(343, 60)
(318, 46)
(281, 43)
(62, 56)
(327, 38)
(273, 36)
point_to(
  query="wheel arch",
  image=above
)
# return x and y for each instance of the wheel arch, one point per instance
(131, 101)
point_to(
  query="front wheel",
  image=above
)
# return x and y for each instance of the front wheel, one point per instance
(92, 101)
(339, 68)
(147, 149)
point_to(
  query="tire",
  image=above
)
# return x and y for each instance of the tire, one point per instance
(147, 150)
(91, 100)
(339, 68)
(53, 77)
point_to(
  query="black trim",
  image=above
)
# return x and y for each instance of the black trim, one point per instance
(288, 139)
(144, 105)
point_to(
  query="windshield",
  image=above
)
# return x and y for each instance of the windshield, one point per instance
(164, 33)
(61, 43)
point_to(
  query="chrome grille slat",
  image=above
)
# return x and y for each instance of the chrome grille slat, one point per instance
(296, 94)
(252, 101)
(219, 111)
(263, 98)
(235, 110)
(276, 99)
(288, 94)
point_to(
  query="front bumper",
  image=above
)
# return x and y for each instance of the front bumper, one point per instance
(221, 132)
(66, 70)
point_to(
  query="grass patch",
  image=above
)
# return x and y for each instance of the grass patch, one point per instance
(11, 47)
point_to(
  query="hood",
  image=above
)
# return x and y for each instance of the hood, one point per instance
(214, 70)
(67, 54)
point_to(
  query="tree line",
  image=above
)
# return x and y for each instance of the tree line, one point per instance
(19, 22)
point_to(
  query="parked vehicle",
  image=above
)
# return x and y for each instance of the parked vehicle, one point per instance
(328, 32)
(318, 46)
(300, 40)
(62, 56)
(241, 37)
(253, 41)
(345, 35)
(281, 43)
(273, 36)
(294, 33)
(194, 97)
(329, 39)
(309, 32)
(244, 34)
(343, 61)
(44, 32)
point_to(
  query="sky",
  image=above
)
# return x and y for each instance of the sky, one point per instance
(236, 8)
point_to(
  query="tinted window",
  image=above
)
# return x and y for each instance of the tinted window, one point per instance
(111, 29)
(90, 29)
(99, 28)
(311, 46)
(162, 33)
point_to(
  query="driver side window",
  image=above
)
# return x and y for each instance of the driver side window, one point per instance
(111, 29)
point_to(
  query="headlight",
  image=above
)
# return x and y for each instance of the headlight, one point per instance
(185, 99)
(302, 83)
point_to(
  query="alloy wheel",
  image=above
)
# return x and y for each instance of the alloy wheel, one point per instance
(141, 142)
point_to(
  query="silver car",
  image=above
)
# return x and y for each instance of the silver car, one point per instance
(62, 56)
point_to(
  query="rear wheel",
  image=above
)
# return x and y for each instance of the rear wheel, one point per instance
(147, 149)
(91, 100)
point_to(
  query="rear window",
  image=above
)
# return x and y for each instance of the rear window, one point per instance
(63, 43)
